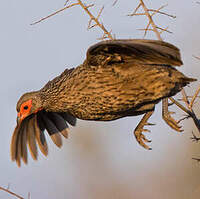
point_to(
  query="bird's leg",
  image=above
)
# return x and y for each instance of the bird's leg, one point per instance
(140, 128)
(167, 116)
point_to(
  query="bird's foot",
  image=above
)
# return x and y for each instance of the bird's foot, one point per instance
(167, 117)
(141, 138)
(140, 128)
(171, 121)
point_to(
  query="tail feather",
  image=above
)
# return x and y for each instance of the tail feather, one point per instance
(187, 80)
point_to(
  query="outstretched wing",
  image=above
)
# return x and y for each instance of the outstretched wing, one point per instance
(30, 132)
(133, 51)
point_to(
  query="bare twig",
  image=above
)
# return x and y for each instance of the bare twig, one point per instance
(194, 98)
(66, 2)
(184, 118)
(58, 11)
(150, 29)
(107, 34)
(164, 29)
(114, 3)
(136, 9)
(197, 159)
(150, 20)
(152, 10)
(136, 14)
(11, 193)
(157, 11)
(194, 137)
(196, 57)
(185, 98)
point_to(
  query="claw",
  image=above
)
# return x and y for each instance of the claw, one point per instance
(144, 138)
(139, 129)
(149, 124)
(172, 122)
(141, 138)
(171, 112)
(146, 130)
(170, 104)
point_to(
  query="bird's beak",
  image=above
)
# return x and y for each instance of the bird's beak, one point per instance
(18, 120)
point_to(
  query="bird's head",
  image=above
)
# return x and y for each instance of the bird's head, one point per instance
(28, 104)
(32, 121)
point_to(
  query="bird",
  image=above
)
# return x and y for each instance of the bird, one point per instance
(119, 78)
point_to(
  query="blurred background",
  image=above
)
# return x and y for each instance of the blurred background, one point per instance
(100, 159)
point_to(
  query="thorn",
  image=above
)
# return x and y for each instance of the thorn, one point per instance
(196, 57)
(66, 2)
(136, 14)
(197, 159)
(90, 27)
(99, 14)
(89, 6)
(185, 117)
(114, 3)
(163, 29)
(136, 9)
(194, 138)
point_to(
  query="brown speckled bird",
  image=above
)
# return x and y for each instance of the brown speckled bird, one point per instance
(119, 78)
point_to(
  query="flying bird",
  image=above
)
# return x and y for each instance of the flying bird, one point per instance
(118, 78)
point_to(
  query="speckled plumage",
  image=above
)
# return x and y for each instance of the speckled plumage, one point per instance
(118, 78)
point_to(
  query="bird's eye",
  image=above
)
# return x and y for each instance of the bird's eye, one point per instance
(25, 107)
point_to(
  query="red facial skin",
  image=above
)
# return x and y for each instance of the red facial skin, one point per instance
(24, 110)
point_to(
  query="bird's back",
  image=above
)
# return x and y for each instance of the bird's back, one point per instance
(107, 93)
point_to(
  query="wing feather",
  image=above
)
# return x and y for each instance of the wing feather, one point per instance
(31, 138)
(24, 143)
(69, 118)
(60, 123)
(52, 130)
(133, 50)
(40, 137)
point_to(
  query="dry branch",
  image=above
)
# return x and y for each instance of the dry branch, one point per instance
(58, 11)
(11, 193)
(114, 3)
(107, 34)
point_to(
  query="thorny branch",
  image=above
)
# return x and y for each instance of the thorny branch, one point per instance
(94, 19)
(150, 17)
(11, 193)
(58, 11)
